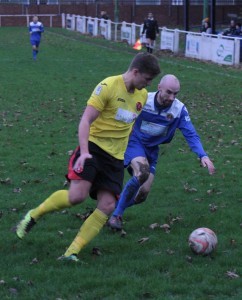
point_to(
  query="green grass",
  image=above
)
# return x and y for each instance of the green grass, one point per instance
(40, 106)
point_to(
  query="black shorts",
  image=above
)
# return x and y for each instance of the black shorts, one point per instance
(151, 35)
(103, 170)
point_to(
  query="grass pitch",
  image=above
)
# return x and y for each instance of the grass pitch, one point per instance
(40, 106)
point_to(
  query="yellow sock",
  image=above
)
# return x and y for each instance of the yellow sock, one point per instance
(90, 228)
(56, 201)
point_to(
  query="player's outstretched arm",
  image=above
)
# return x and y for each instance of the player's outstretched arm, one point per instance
(207, 163)
(90, 114)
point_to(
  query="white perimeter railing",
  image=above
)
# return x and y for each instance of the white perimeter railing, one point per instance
(209, 47)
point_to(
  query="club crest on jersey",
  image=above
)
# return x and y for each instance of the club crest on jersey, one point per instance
(138, 106)
(169, 116)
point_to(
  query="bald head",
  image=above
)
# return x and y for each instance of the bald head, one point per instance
(170, 81)
(168, 87)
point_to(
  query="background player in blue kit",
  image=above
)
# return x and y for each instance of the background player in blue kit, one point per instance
(35, 30)
(162, 114)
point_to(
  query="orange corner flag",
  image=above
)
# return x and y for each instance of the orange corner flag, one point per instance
(137, 45)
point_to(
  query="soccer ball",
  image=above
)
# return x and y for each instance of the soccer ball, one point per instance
(202, 241)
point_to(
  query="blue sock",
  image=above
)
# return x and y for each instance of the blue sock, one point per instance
(127, 197)
(34, 54)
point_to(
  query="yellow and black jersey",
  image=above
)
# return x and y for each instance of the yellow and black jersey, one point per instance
(118, 110)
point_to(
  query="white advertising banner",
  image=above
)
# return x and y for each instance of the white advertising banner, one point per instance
(70, 22)
(223, 51)
(126, 34)
(81, 24)
(90, 27)
(206, 47)
(193, 46)
(104, 28)
(167, 40)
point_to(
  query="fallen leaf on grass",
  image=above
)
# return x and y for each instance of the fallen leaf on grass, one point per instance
(165, 227)
(189, 189)
(198, 199)
(213, 207)
(170, 252)
(85, 215)
(34, 261)
(6, 181)
(70, 152)
(176, 219)
(123, 233)
(143, 240)
(232, 274)
(154, 225)
(209, 192)
(30, 283)
(188, 258)
(96, 251)
(66, 183)
(16, 278)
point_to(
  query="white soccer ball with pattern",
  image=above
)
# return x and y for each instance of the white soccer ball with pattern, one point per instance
(202, 241)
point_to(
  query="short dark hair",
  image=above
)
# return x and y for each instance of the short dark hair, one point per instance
(145, 63)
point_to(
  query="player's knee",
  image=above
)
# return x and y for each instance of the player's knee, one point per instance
(76, 198)
(144, 173)
(109, 208)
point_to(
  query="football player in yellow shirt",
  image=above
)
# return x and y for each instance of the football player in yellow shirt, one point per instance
(96, 167)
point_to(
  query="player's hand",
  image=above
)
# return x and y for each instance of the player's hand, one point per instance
(78, 167)
(207, 163)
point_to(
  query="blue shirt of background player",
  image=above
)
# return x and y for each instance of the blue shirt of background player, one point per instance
(35, 28)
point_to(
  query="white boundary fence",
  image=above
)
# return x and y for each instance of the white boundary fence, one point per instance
(216, 48)
(208, 47)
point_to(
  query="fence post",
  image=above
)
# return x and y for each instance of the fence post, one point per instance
(176, 41)
(95, 25)
(63, 18)
(133, 33)
(237, 51)
(27, 20)
(85, 24)
(73, 22)
(109, 32)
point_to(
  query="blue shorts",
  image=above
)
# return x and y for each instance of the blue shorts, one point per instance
(34, 43)
(135, 148)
